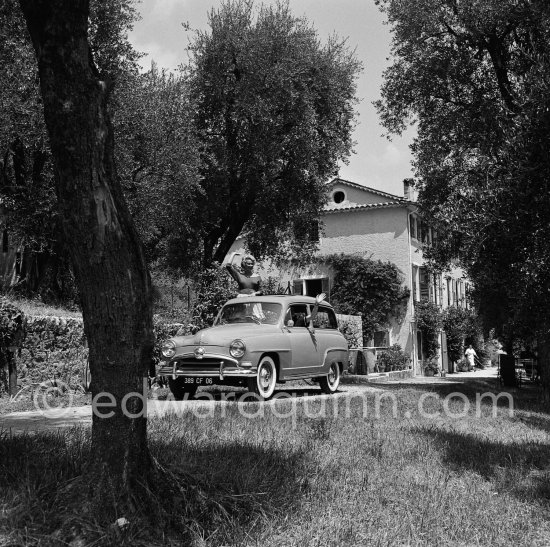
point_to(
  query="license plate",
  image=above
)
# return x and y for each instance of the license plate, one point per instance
(198, 381)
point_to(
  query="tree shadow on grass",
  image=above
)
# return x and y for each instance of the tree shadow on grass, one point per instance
(535, 421)
(520, 469)
(233, 488)
(527, 398)
(220, 492)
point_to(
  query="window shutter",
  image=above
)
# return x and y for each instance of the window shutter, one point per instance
(424, 284)
(297, 286)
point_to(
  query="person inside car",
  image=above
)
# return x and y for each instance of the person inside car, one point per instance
(248, 284)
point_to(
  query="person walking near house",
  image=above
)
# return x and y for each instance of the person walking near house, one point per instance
(470, 355)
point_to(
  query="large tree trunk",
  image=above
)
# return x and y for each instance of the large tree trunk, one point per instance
(106, 253)
(543, 362)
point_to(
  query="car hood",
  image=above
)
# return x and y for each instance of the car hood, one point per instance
(225, 334)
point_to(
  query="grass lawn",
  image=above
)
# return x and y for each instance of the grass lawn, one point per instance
(318, 474)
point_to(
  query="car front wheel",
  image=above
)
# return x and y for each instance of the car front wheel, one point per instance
(330, 383)
(179, 388)
(263, 384)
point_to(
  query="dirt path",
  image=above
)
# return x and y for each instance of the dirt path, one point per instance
(56, 419)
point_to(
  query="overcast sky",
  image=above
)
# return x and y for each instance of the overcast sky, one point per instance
(377, 162)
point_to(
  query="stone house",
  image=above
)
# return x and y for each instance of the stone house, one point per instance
(381, 226)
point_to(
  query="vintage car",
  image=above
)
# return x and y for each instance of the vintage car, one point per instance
(256, 342)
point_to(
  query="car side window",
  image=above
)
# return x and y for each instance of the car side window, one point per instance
(325, 319)
(298, 314)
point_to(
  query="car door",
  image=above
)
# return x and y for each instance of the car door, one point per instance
(305, 357)
(328, 337)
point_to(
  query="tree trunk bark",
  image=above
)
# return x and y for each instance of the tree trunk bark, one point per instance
(12, 374)
(106, 253)
(543, 362)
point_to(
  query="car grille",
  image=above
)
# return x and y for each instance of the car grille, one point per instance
(183, 364)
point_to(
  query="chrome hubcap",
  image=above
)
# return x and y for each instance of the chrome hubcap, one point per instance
(265, 377)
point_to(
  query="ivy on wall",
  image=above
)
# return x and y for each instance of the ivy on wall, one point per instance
(366, 287)
(429, 320)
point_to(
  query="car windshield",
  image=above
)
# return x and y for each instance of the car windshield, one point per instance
(262, 313)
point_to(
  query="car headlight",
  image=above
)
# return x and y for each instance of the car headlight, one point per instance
(237, 349)
(168, 349)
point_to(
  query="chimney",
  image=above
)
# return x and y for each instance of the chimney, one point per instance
(408, 189)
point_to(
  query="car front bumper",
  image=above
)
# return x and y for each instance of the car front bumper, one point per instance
(211, 365)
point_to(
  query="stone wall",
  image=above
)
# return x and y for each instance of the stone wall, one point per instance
(54, 348)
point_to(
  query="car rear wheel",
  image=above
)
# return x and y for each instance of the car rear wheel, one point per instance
(179, 388)
(263, 385)
(330, 383)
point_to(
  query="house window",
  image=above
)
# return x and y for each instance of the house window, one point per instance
(311, 287)
(381, 339)
(461, 293)
(339, 196)
(424, 284)
(448, 291)
(419, 229)
(426, 234)
(416, 295)
(455, 292)
(434, 291)
(314, 232)
(412, 226)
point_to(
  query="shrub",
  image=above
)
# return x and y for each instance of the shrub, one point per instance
(349, 330)
(393, 358)
(213, 289)
(431, 365)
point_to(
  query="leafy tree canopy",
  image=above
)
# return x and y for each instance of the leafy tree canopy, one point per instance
(275, 113)
(27, 196)
(158, 161)
(473, 76)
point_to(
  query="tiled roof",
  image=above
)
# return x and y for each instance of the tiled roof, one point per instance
(334, 208)
(392, 197)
